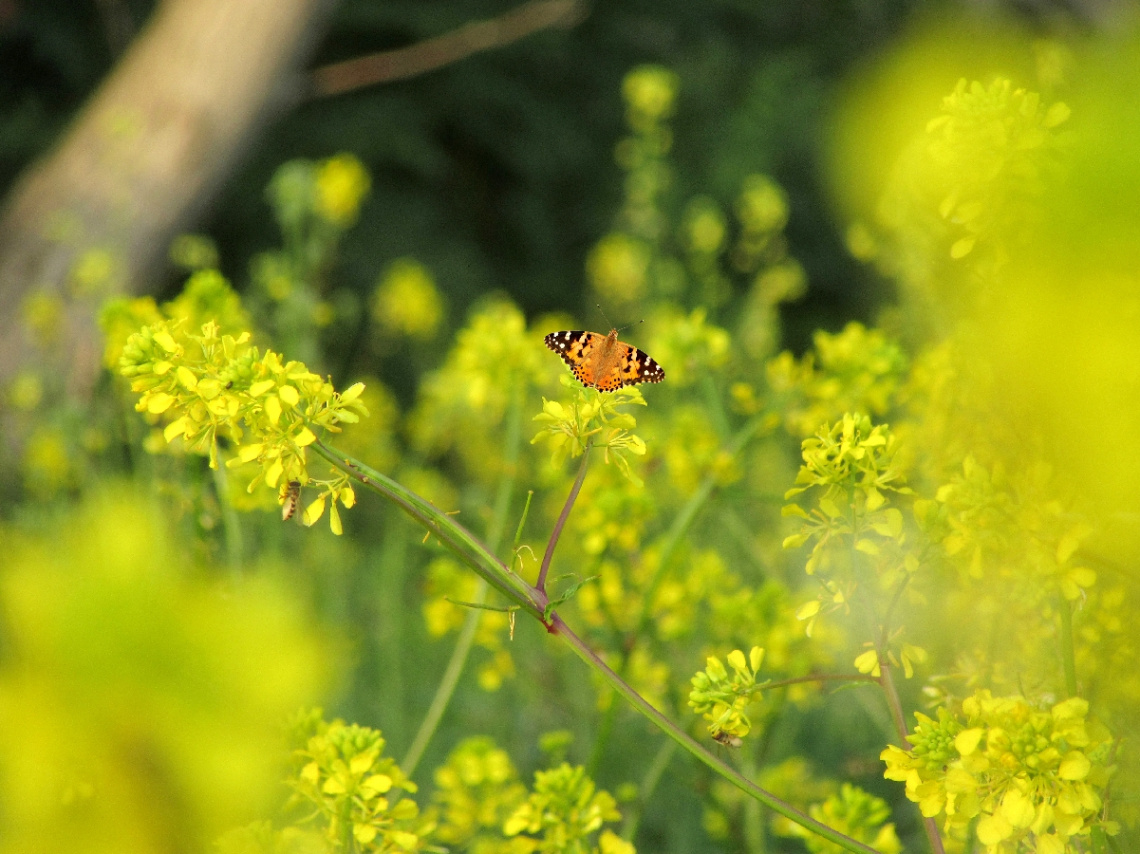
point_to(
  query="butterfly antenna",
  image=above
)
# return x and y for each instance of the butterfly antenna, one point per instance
(610, 322)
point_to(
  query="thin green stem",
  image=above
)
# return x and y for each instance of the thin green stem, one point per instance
(683, 521)
(1068, 653)
(602, 737)
(231, 524)
(561, 522)
(648, 785)
(447, 684)
(455, 665)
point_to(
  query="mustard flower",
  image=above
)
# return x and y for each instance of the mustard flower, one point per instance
(1032, 777)
(406, 301)
(619, 266)
(563, 813)
(650, 93)
(476, 790)
(342, 183)
(213, 385)
(853, 812)
(592, 419)
(344, 778)
(722, 698)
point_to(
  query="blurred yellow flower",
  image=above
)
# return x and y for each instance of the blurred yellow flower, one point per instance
(43, 316)
(618, 267)
(406, 301)
(342, 184)
(650, 93)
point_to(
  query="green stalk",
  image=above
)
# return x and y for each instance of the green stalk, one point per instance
(462, 543)
(559, 628)
(648, 785)
(447, 685)
(473, 553)
(684, 520)
(231, 524)
(562, 517)
(1068, 653)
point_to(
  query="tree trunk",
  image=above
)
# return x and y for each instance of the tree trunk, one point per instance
(141, 161)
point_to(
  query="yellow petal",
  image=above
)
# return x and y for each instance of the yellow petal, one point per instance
(159, 402)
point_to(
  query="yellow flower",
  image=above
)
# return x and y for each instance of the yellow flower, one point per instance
(406, 301)
(650, 93)
(618, 267)
(342, 184)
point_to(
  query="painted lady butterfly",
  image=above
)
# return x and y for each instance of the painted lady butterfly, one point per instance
(603, 362)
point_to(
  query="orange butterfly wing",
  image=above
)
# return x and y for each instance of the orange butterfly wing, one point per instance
(603, 362)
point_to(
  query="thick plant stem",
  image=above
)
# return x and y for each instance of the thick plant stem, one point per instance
(640, 704)
(465, 545)
(530, 599)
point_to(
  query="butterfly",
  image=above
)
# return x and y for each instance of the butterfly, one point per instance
(603, 362)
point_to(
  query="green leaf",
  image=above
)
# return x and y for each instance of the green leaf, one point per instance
(566, 594)
(796, 540)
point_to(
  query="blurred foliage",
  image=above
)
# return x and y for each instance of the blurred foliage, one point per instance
(137, 689)
(507, 153)
(841, 513)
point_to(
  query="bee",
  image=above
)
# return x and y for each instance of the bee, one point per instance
(290, 496)
(727, 739)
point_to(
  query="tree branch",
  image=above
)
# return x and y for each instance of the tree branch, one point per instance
(446, 49)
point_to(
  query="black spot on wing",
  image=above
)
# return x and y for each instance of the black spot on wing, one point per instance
(650, 371)
(562, 342)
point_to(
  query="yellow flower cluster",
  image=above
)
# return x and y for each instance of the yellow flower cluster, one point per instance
(722, 699)
(348, 782)
(650, 93)
(477, 790)
(852, 461)
(463, 405)
(213, 385)
(592, 418)
(989, 522)
(988, 142)
(562, 814)
(854, 813)
(1033, 779)
(855, 370)
(618, 266)
(406, 301)
(341, 185)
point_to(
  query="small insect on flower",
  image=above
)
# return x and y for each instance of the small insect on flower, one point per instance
(603, 362)
(727, 739)
(292, 494)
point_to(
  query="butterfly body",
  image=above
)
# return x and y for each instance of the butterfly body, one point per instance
(602, 362)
